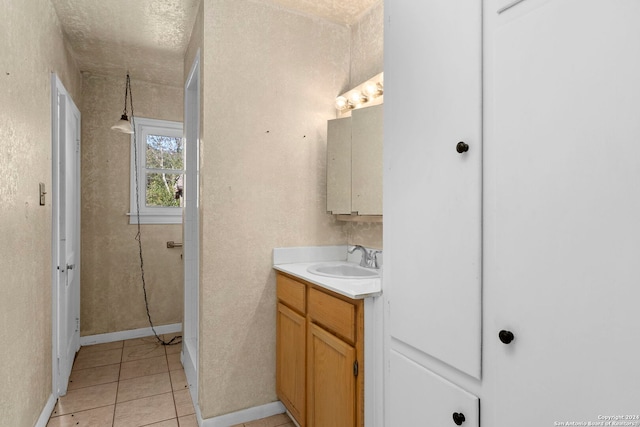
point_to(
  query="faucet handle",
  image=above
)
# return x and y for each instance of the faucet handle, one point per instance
(374, 258)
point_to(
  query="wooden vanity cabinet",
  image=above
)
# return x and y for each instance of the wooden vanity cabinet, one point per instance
(291, 332)
(324, 335)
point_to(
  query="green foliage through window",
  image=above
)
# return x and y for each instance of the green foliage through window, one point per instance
(164, 157)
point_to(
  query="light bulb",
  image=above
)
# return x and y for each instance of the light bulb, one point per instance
(342, 103)
(357, 97)
(373, 89)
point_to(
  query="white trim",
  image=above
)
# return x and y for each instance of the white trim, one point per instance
(156, 218)
(54, 239)
(191, 227)
(243, 416)
(46, 411)
(374, 362)
(130, 334)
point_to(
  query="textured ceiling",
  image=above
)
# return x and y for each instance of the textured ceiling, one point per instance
(149, 37)
(344, 12)
(146, 37)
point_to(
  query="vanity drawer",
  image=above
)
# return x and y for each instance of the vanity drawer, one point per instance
(333, 313)
(291, 292)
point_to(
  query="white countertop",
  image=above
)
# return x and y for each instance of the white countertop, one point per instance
(296, 260)
(352, 288)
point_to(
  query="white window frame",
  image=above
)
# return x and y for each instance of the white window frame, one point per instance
(151, 214)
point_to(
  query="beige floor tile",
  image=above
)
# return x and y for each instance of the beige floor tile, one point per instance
(142, 367)
(148, 410)
(184, 404)
(149, 385)
(168, 423)
(188, 421)
(99, 417)
(238, 425)
(101, 347)
(274, 421)
(173, 349)
(179, 380)
(143, 351)
(86, 398)
(97, 358)
(174, 361)
(139, 341)
(93, 376)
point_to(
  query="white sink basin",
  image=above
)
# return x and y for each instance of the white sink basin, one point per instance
(342, 270)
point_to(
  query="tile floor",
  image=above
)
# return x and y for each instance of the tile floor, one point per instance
(132, 383)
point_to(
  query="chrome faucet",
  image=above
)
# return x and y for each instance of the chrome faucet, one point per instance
(369, 258)
(365, 261)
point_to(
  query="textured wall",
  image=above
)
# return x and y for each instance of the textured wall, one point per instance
(367, 55)
(111, 290)
(32, 46)
(367, 45)
(270, 80)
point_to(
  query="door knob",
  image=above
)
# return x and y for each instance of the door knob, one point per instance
(458, 418)
(462, 147)
(70, 266)
(505, 336)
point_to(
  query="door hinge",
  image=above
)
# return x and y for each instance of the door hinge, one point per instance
(355, 368)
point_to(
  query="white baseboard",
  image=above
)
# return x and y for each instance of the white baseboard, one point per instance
(243, 416)
(46, 412)
(127, 335)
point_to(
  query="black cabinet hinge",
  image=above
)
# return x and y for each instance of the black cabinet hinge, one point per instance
(355, 368)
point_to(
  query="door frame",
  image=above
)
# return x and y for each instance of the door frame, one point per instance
(191, 229)
(57, 89)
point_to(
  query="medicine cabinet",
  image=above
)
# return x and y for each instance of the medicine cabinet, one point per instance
(354, 164)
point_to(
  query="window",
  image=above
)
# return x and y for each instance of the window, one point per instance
(160, 158)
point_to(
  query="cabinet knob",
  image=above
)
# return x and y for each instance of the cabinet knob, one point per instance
(458, 418)
(462, 147)
(506, 336)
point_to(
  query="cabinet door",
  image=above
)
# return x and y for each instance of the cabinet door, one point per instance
(331, 382)
(290, 364)
(432, 199)
(366, 160)
(339, 166)
(419, 397)
(563, 205)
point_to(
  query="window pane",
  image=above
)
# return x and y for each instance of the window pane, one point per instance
(164, 152)
(162, 189)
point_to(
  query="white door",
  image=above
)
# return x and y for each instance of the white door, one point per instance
(432, 199)
(562, 209)
(66, 229)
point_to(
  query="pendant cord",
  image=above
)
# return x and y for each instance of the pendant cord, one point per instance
(139, 233)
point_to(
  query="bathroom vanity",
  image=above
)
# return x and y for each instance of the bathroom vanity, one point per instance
(320, 344)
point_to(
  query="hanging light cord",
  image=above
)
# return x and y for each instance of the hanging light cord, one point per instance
(139, 234)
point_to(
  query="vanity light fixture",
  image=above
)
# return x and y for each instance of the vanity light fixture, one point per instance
(362, 95)
(124, 125)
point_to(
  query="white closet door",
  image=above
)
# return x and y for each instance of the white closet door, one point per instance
(432, 193)
(562, 213)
